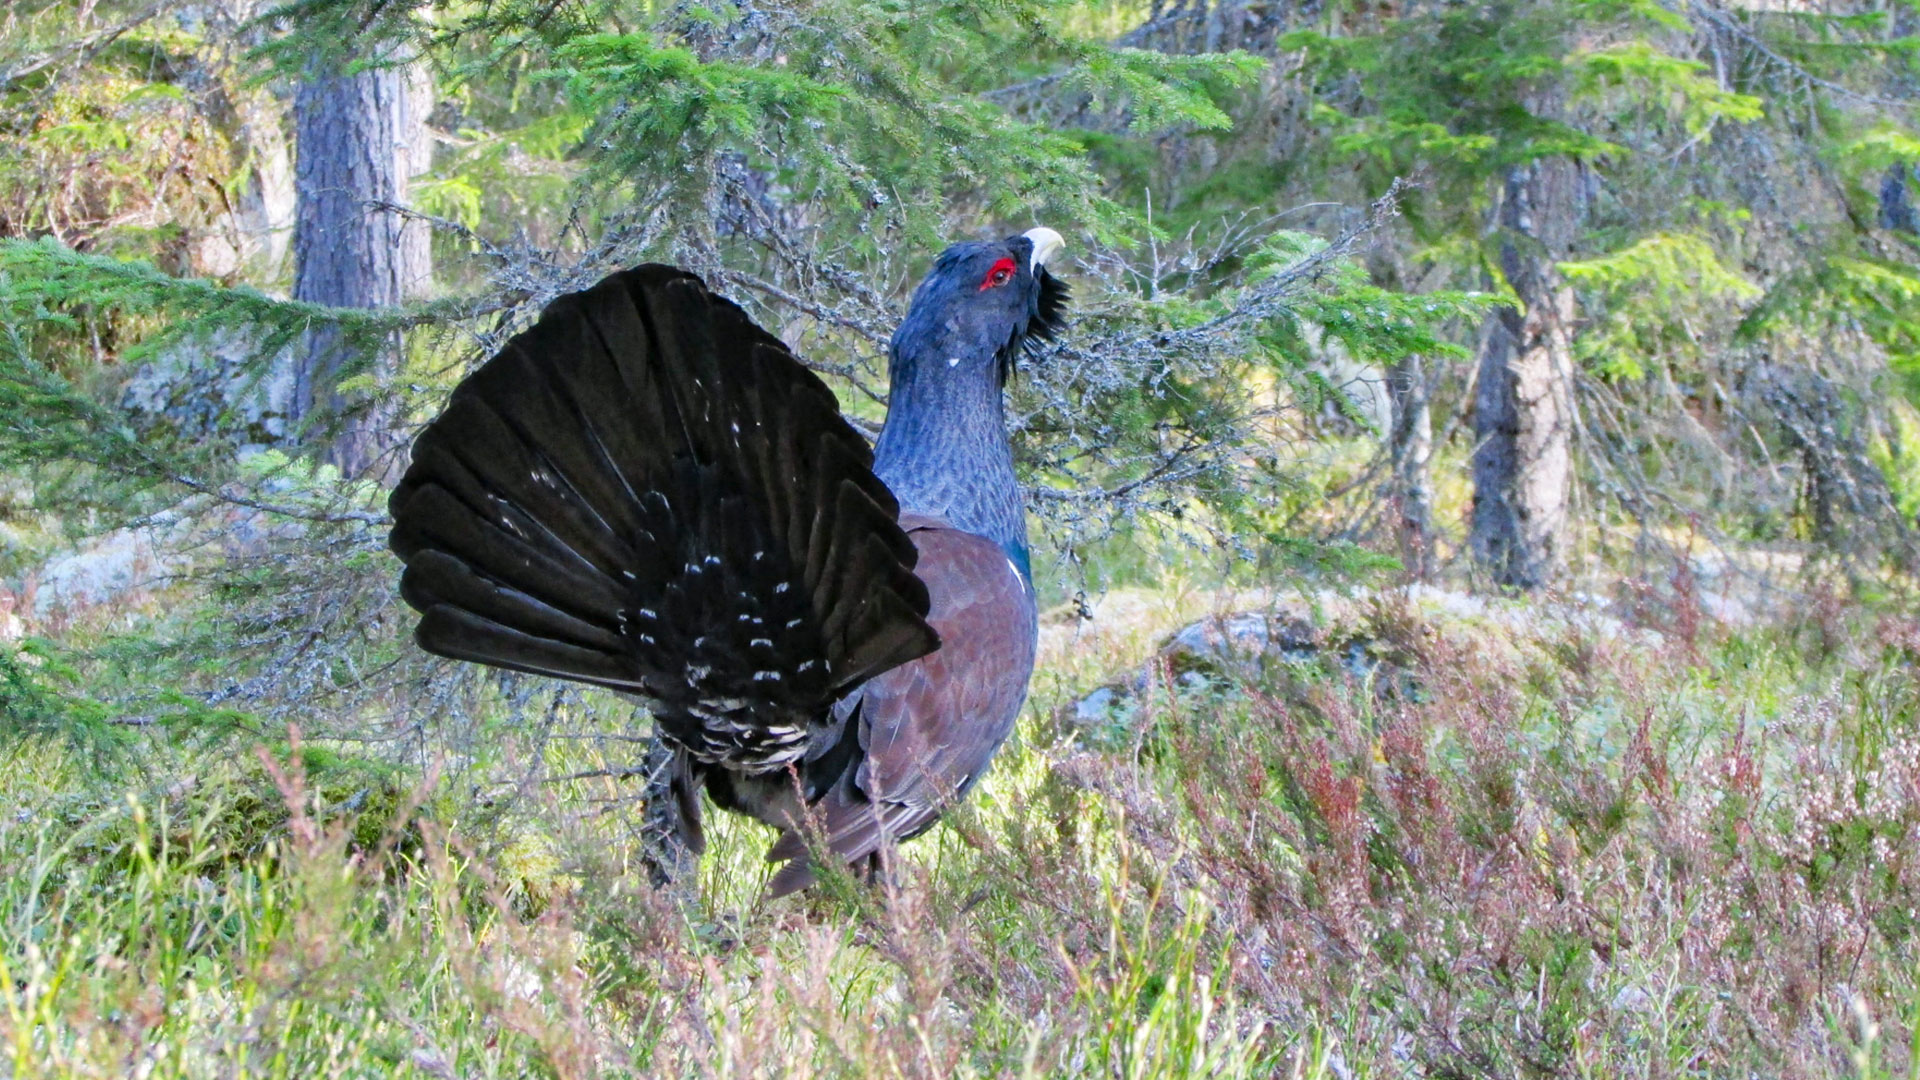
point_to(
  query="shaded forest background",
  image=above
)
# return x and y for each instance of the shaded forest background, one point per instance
(1537, 295)
(1596, 306)
(1646, 271)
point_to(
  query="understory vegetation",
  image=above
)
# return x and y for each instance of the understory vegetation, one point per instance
(1509, 841)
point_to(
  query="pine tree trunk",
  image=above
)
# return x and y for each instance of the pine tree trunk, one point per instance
(1523, 406)
(359, 138)
(1896, 202)
(1410, 449)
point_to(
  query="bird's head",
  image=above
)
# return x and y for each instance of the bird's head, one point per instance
(982, 304)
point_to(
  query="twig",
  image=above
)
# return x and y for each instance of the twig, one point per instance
(367, 517)
(1723, 21)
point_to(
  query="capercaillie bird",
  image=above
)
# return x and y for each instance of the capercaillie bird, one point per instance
(646, 492)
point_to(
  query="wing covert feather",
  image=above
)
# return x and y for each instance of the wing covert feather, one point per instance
(931, 726)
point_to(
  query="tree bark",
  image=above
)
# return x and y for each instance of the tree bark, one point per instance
(1410, 449)
(1523, 404)
(359, 139)
(1896, 203)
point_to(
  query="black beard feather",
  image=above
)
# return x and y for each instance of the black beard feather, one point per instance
(1045, 320)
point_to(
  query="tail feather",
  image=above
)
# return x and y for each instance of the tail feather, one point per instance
(514, 550)
(453, 632)
(436, 575)
(646, 491)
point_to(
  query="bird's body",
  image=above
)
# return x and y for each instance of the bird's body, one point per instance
(648, 493)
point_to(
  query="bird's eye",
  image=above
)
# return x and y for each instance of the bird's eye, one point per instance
(1001, 273)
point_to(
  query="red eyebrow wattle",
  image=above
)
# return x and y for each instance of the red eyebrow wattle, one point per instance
(1006, 264)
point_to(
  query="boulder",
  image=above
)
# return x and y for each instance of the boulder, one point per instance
(217, 382)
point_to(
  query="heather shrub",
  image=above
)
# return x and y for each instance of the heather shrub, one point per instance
(1517, 845)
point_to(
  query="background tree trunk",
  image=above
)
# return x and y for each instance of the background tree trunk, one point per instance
(1523, 405)
(359, 138)
(1410, 448)
(1896, 204)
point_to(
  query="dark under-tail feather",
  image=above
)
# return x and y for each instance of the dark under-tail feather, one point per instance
(647, 492)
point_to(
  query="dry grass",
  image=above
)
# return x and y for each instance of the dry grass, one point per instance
(1524, 847)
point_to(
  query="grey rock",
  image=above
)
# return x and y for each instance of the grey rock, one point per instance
(1221, 648)
(1095, 707)
(1241, 643)
(217, 381)
(100, 569)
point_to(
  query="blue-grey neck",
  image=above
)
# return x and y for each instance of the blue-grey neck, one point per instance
(944, 449)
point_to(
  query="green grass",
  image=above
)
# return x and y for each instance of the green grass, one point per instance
(1537, 850)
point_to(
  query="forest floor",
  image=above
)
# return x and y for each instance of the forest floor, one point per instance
(1423, 836)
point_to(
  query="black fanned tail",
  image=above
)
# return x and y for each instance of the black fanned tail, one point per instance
(647, 492)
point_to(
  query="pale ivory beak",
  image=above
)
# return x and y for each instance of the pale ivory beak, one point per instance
(1046, 244)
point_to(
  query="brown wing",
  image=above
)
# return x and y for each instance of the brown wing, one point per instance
(929, 727)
